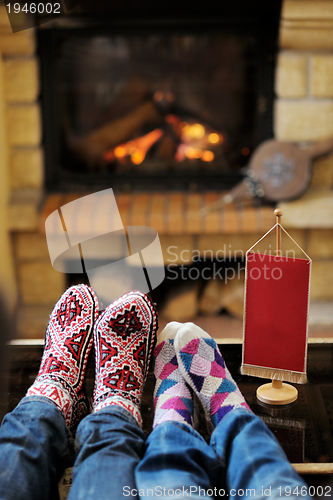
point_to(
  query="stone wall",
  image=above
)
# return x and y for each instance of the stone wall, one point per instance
(39, 286)
(304, 76)
(304, 114)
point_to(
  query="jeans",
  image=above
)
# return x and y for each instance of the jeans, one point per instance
(113, 459)
(242, 460)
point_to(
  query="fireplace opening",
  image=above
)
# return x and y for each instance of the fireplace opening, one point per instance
(155, 105)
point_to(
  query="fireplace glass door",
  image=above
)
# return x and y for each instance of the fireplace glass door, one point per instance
(144, 109)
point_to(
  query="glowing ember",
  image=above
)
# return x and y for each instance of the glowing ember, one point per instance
(189, 152)
(195, 131)
(207, 156)
(137, 157)
(215, 138)
(120, 152)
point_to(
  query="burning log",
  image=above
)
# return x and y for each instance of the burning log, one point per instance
(123, 133)
(92, 146)
(137, 148)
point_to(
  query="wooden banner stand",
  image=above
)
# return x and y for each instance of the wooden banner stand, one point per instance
(277, 392)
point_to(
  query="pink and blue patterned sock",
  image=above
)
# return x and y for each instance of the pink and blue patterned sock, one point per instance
(203, 368)
(173, 397)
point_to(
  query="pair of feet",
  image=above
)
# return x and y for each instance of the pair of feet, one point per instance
(188, 367)
(188, 363)
(123, 337)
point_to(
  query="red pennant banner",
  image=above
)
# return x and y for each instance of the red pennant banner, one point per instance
(276, 312)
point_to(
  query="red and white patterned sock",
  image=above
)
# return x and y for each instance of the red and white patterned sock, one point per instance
(124, 337)
(204, 369)
(173, 397)
(68, 343)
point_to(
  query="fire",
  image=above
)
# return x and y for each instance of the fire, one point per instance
(215, 138)
(196, 142)
(120, 152)
(137, 157)
(136, 149)
(207, 156)
(194, 131)
(189, 152)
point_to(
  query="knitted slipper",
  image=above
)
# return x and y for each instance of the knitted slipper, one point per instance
(203, 368)
(173, 397)
(124, 337)
(68, 343)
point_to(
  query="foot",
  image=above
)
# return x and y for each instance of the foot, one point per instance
(124, 337)
(203, 368)
(173, 397)
(68, 343)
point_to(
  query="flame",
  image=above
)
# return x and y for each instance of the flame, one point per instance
(136, 149)
(195, 131)
(194, 141)
(189, 152)
(207, 156)
(180, 153)
(120, 152)
(215, 138)
(137, 157)
(174, 120)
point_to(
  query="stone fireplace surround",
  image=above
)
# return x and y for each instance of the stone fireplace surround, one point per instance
(303, 114)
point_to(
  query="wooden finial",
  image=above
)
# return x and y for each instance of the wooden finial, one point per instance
(278, 213)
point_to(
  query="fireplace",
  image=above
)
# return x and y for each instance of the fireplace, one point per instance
(303, 110)
(136, 99)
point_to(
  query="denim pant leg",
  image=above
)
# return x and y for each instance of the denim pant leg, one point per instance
(178, 463)
(256, 465)
(35, 446)
(111, 444)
